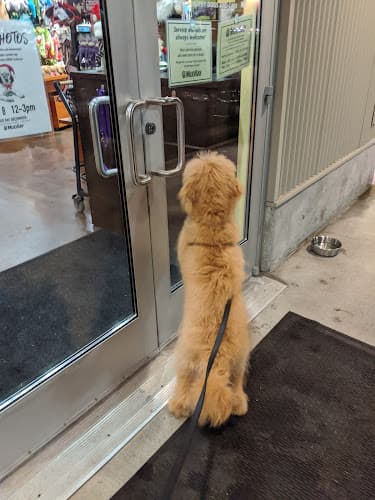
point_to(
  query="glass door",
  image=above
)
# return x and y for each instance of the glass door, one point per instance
(205, 54)
(104, 103)
(77, 307)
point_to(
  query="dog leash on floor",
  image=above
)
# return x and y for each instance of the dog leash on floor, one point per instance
(177, 467)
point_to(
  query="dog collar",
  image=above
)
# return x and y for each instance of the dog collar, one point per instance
(210, 245)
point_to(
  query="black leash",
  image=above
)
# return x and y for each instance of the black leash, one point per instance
(176, 469)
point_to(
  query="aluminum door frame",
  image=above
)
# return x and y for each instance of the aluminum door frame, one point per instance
(69, 390)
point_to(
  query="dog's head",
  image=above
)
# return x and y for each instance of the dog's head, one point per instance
(210, 186)
(6, 75)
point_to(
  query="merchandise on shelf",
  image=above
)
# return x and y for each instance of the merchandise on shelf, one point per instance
(68, 32)
(55, 70)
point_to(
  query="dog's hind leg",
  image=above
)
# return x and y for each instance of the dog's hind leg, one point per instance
(180, 404)
(184, 398)
(217, 407)
(240, 399)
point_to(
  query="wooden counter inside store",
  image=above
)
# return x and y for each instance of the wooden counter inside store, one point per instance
(59, 115)
(211, 119)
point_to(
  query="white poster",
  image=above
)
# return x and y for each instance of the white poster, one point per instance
(23, 102)
(189, 52)
(234, 45)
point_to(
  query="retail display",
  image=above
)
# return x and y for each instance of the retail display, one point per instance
(57, 25)
(98, 32)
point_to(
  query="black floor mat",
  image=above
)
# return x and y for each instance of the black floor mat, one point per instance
(53, 305)
(309, 433)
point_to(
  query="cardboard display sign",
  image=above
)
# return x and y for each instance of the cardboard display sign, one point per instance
(23, 102)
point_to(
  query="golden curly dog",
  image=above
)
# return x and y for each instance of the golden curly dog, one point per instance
(212, 267)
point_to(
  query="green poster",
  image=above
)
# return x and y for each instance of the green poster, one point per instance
(189, 46)
(234, 40)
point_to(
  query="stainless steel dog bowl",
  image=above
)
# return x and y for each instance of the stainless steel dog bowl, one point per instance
(325, 246)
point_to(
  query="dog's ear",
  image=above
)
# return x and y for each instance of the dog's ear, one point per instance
(187, 195)
(11, 78)
(237, 189)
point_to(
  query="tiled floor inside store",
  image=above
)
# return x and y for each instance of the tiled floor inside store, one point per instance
(36, 188)
(51, 254)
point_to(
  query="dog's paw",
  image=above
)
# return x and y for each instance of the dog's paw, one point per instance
(179, 407)
(240, 404)
(217, 408)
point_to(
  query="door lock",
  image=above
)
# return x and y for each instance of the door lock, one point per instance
(150, 128)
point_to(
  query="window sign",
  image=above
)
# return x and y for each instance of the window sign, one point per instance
(189, 52)
(23, 102)
(234, 45)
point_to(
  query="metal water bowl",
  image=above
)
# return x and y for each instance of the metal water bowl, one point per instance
(325, 246)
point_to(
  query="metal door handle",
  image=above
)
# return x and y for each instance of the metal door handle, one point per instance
(180, 115)
(96, 140)
(142, 179)
(138, 179)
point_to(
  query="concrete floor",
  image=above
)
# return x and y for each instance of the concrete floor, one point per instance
(36, 188)
(338, 292)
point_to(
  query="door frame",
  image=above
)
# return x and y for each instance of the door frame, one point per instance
(40, 411)
(169, 303)
(262, 132)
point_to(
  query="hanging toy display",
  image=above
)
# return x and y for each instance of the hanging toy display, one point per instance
(88, 48)
(98, 32)
(167, 9)
(186, 10)
(45, 45)
(62, 13)
(56, 45)
(22, 10)
(163, 63)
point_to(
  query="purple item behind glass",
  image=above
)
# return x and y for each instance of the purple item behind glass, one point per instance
(104, 120)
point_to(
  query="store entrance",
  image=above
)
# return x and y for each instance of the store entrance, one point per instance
(95, 128)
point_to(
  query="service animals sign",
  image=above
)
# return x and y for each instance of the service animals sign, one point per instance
(189, 52)
(23, 102)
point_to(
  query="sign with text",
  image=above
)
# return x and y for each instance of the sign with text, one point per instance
(23, 102)
(189, 45)
(234, 44)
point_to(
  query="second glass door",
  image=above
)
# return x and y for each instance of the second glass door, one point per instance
(77, 307)
(219, 114)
